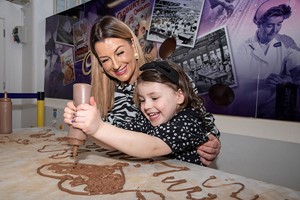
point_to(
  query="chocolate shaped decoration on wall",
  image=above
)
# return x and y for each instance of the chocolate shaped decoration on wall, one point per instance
(167, 48)
(221, 94)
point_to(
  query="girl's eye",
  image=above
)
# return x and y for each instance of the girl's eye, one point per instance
(154, 98)
(142, 100)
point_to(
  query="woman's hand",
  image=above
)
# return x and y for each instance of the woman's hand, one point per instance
(69, 112)
(273, 80)
(87, 117)
(209, 150)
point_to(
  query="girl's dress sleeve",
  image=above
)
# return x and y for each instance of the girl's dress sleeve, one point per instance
(139, 124)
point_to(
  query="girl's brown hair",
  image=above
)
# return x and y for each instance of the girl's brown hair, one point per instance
(191, 98)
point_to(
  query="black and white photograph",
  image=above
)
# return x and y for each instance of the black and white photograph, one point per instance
(209, 62)
(178, 19)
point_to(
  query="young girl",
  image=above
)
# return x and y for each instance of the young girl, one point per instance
(171, 116)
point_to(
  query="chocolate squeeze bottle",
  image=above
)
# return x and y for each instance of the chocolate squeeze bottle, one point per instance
(81, 94)
(5, 114)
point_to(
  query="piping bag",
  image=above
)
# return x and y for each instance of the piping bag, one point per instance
(76, 137)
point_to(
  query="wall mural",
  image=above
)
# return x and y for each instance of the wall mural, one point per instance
(243, 55)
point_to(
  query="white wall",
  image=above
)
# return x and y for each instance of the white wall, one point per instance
(12, 16)
(266, 150)
(34, 55)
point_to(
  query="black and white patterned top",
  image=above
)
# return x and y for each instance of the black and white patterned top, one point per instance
(124, 110)
(183, 133)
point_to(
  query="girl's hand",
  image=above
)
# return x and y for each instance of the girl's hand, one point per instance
(69, 112)
(87, 117)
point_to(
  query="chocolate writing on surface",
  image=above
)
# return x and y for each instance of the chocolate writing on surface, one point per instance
(18, 141)
(123, 156)
(174, 184)
(63, 152)
(87, 179)
(94, 179)
(233, 194)
(56, 148)
(46, 134)
(175, 168)
(42, 134)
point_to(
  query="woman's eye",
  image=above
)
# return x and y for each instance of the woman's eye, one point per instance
(154, 98)
(120, 53)
(104, 60)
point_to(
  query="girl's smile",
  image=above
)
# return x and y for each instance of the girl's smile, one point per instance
(159, 102)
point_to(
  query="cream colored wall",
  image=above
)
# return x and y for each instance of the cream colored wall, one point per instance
(271, 161)
(260, 128)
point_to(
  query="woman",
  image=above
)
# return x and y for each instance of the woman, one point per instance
(116, 58)
(267, 59)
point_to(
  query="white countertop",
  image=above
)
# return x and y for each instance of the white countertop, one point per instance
(23, 152)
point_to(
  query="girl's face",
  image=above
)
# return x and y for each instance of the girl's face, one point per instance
(158, 102)
(268, 30)
(117, 59)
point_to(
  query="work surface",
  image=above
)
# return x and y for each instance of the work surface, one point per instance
(37, 163)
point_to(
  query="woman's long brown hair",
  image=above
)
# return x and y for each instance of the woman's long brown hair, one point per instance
(103, 86)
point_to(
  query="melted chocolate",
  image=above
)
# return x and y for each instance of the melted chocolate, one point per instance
(88, 179)
(233, 194)
(42, 134)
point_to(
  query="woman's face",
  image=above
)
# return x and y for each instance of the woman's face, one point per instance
(268, 30)
(117, 59)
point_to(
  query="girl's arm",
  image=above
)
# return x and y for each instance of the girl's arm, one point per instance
(130, 142)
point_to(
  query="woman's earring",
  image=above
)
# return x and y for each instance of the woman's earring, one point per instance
(136, 55)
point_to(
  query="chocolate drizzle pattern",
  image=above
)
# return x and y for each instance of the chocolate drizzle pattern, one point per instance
(110, 179)
(233, 194)
(18, 141)
(42, 134)
(95, 179)
(91, 175)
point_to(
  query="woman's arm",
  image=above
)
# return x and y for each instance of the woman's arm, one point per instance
(209, 150)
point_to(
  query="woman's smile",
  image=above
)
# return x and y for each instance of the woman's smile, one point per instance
(121, 71)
